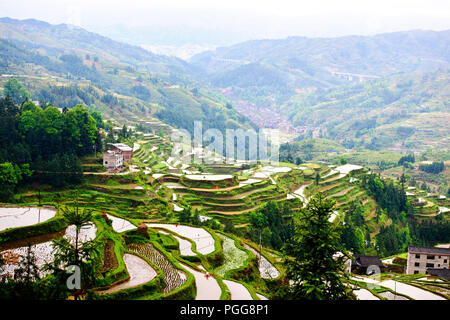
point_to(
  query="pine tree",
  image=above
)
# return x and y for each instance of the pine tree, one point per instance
(68, 253)
(311, 265)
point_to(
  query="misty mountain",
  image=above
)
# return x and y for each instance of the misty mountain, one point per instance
(56, 40)
(65, 66)
(314, 62)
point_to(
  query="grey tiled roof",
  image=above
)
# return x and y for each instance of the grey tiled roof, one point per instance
(365, 261)
(443, 273)
(429, 250)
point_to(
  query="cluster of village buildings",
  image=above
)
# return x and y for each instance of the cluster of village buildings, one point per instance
(116, 156)
(433, 261)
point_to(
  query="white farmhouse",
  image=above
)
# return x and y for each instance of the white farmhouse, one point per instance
(112, 159)
(420, 259)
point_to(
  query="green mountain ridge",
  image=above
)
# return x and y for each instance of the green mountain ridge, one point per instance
(404, 112)
(268, 73)
(378, 55)
(121, 90)
(55, 40)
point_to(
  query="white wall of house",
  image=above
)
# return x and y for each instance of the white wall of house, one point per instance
(419, 262)
(112, 160)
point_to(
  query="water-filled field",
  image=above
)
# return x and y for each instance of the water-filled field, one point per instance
(207, 287)
(13, 217)
(44, 251)
(266, 269)
(209, 177)
(139, 270)
(185, 246)
(238, 291)
(202, 238)
(121, 225)
(233, 257)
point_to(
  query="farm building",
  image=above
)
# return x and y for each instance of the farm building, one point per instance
(367, 264)
(125, 150)
(112, 160)
(442, 273)
(420, 259)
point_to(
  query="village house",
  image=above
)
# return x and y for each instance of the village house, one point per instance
(442, 273)
(112, 160)
(420, 259)
(126, 151)
(367, 264)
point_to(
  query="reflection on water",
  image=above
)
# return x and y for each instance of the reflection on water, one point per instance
(139, 270)
(11, 217)
(41, 246)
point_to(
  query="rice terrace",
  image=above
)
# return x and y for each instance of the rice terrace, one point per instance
(159, 152)
(151, 250)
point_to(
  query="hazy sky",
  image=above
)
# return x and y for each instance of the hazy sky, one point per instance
(241, 19)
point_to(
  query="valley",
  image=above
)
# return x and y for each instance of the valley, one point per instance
(92, 175)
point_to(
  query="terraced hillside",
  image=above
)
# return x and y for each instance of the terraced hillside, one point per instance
(189, 257)
(148, 266)
(123, 82)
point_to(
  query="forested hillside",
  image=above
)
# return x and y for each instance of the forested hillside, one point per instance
(57, 40)
(56, 68)
(315, 60)
(404, 111)
(43, 145)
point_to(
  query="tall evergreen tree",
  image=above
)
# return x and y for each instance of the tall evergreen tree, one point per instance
(314, 270)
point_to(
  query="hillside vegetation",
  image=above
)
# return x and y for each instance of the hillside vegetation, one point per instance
(128, 83)
(312, 62)
(402, 112)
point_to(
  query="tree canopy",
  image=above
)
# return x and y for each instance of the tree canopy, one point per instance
(43, 144)
(16, 91)
(314, 260)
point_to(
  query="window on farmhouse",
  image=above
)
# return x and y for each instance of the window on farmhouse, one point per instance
(430, 257)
